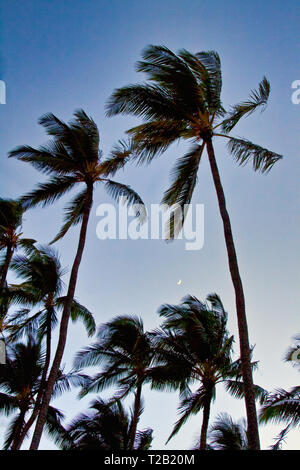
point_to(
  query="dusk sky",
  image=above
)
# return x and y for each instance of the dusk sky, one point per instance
(58, 56)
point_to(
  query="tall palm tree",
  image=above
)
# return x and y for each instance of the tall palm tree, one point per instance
(71, 158)
(19, 384)
(42, 274)
(106, 427)
(125, 352)
(194, 347)
(182, 100)
(11, 213)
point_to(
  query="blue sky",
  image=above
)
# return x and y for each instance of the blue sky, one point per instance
(61, 55)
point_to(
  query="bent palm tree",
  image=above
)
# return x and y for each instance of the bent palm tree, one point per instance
(126, 351)
(193, 347)
(106, 427)
(182, 100)
(72, 157)
(42, 287)
(19, 384)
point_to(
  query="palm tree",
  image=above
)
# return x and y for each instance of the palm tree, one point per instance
(182, 100)
(225, 434)
(195, 347)
(125, 352)
(19, 384)
(11, 213)
(42, 287)
(71, 158)
(106, 427)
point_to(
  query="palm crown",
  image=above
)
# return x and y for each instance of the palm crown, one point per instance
(105, 427)
(182, 100)
(72, 156)
(194, 347)
(126, 351)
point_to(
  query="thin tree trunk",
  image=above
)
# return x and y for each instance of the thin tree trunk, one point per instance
(8, 257)
(206, 414)
(19, 441)
(135, 417)
(63, 325)
(253, 435)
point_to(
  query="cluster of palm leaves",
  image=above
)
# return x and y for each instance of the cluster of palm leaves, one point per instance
(192, 350)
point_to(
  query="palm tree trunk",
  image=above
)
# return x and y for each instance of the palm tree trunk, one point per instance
(206, 414)
(135, 417)
(19, 441)
(63, 325)
(8, 257)
(253, 434)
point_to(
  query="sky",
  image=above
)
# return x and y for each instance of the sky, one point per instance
(58, 56)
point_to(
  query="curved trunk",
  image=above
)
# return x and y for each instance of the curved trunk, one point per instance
(19, 441)
(63, 325)
(206, 414)
(135, 417)
(8, 257)
(253, 435)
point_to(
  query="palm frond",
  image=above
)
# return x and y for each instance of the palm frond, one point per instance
(184, 178)
(244, 151)
(73, 214)
(237, 390)
(119, 156)
(47, 193)
(153, 138)
(189, 406)
(282, 407)
(257, 99)
(147, 101)
(129, 196)
(213, 82)
(8, 404)
(79, 312)
(280, 439)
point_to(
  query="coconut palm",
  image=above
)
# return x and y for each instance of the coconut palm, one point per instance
(194, 347)
(11, 213)
(72, 158)
(125, 352)
(20, 380)
(106, 427)
(42, 274)
(181, 99)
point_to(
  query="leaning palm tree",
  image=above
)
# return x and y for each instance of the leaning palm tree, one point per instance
(11, 213)
(125, 352)
(19, 384)
(72, 158)
(42, 284)
(194, 347)
(182, 100)
(106, 427)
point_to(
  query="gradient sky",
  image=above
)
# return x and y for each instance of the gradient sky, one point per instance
(61, 55)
